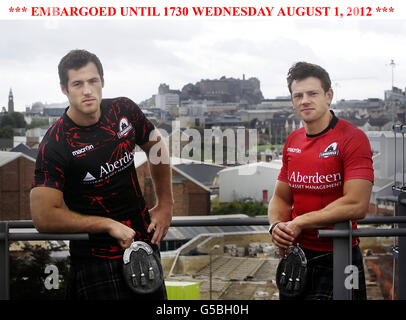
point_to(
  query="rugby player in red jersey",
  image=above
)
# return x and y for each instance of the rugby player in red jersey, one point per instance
(326, 177)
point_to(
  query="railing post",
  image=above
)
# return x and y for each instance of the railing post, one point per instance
(401, 211)
(342, 255)
(4, 262)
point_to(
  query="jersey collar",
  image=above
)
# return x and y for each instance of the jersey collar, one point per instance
(331, 125)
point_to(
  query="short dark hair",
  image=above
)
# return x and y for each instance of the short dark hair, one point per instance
(302, 70)
(77, 59)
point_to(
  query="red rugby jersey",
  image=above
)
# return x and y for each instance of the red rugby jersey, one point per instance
(316, 167)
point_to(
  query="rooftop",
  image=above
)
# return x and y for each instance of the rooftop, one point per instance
(274, 164)
(8, 156)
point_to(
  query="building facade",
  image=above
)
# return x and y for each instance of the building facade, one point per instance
(253, 182)
(16, 176)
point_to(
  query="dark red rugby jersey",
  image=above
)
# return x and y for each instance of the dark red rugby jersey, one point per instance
(316, 167)
(94, 168)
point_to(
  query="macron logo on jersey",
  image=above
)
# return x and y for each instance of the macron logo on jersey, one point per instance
(82, 150)
(294, 150)
(331, 150)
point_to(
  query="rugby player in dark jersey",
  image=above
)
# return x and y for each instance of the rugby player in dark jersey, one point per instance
(85, 181)
(326, 177)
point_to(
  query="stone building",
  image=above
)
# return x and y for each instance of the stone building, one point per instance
(224, 90)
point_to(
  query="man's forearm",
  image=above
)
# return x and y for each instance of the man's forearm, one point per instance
(280, 206)
(278, 210)
(50, 214)
(336, 211)
(159, 165)
(162, 179)
(61, 220)
(353, 205)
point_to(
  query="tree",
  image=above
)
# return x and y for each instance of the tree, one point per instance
(37, 123)
(14, 120)
(249, 208)
(7, 120)
(6, 132)
(18, 119)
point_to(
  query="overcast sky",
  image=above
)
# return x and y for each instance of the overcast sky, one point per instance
(139, 55)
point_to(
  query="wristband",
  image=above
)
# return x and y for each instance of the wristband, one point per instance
(273, 225)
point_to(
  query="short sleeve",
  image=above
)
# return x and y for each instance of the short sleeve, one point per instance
(50, 166)
(357, 157)
(143, 127)
(283, 174)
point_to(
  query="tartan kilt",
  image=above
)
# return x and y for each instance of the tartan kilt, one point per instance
(103, 280)
(319, 284)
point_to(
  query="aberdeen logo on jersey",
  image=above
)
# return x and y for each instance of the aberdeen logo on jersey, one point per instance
(124, 128)
(117, 165)
(314, 179)
(331, 150)
(315, 182)
(109, 169)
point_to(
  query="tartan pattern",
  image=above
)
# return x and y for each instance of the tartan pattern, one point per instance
(103, 280)
(320, 276)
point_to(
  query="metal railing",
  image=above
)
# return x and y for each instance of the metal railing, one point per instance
(6, 236)
(342, 234)
(342, 250)
(397, 186)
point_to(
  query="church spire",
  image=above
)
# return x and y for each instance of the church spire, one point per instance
(10, 102)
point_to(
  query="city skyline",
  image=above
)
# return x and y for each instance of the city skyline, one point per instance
(140, 55)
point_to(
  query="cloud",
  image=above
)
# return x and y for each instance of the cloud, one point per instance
(138, 55)
(30, 52)
(391, 28)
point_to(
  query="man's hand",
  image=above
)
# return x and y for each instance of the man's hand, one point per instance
(280, 209)
(123, 234)
(282, 235)
(294, 227)
(161, 217)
